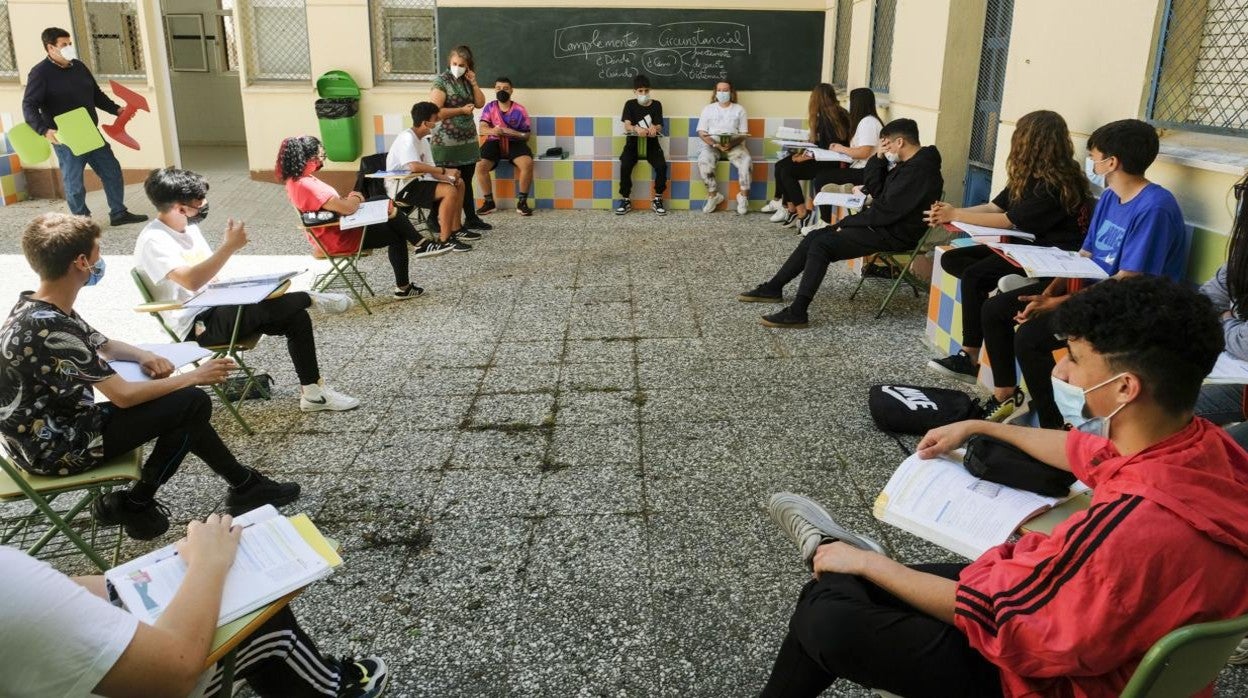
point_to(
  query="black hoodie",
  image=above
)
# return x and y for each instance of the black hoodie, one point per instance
(901, 195)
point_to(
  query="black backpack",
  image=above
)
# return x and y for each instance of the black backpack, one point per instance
(912, 409)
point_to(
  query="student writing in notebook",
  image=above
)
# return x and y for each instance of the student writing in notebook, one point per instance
(175, 262)
(66, 637)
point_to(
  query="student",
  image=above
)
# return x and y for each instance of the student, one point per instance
(723, 128)
(176, 262)
(505, 125)
(439, 188)
(643, 118)
(1046, 194)
(297, 158)
(1136, 228)
(52, 425)
(829, 125)
(904, 179)
(65, 638)
(1066, 614)
(61, 84)
(456, 94)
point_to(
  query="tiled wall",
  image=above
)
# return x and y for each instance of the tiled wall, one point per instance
(589, 178)
(12, 178)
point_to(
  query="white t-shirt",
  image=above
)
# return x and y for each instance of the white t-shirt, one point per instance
(59, 639)
(717, 120)
(407, 148)
(867, 133)
(158, 251)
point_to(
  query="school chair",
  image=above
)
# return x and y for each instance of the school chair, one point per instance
(903, 270)
(233, 350)
(344, 270)
(1186, 660)
(36, 530)
(372, 187)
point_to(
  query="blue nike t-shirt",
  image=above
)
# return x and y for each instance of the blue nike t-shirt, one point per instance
(1144, 235)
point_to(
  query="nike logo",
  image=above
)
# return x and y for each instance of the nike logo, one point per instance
(911, 398)
(315, 402)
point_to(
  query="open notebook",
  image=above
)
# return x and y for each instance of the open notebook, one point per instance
(277, 555)
(938, 500)
(1042, 262)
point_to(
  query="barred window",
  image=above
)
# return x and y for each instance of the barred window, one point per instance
(840, 55)
(882, 44)
(8, 64)
(1201, 77)
(404, 39)
(275, 34)
(106, 33)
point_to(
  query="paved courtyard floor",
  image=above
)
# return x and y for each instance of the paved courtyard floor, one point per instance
(555, 484)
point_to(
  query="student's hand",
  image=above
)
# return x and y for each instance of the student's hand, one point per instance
(654, 130)
(1037, 304)
(801, 156)
(857, 190)
(155, 365)
(50, 134)
(468, 108)
(212, 372)
(210, 544)
(940, 213)
(471, 77)
(838, 557)
(942, 440)
(838, 148)
(235, 235)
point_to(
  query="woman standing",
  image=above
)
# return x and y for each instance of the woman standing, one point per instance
(829, 126)
(455, 144)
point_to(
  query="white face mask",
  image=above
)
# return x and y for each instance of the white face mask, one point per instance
(723, 97)
(643, 100)
(1072, 402)
(893, 158)
(458, 71)
(1089, 169)
(69, 53)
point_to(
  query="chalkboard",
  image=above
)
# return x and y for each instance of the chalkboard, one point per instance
(687, 49)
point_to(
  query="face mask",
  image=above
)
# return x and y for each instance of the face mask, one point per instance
(97, 273)
(69, 53)
(643, 100)
(723, 97)
(1072, 402)
(503, 96)
(200, 215)
(458, 71)
(1089, 169)
(893, 158)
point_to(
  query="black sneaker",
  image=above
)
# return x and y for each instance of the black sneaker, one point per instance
(477, 224)
(431, 248)
(656, 205)
(522, 207)
(487, 207)
(789, 220)
(141, 520)
(412, 290)
(999, 410)
(469, 235)
(787, 318)
(760, 294)
(623, 206)
(126, 218)
(258, 491)
(362, 678)
(958, 366)
(458, 245)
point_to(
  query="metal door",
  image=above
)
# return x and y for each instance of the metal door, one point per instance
(978, 183)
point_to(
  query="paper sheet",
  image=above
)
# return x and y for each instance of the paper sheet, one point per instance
(256, 279)
(179, 354)
(827, 198)
(1041, 262)
(795, 145)
(1228, 369)
(789, 133)
(369, 213)
(984, 231)
(825, 155)
(230, 295)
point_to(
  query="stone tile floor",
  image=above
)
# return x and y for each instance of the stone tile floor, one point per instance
(555, 484)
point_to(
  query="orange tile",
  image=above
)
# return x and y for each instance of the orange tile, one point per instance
(505, 188)
(602, 170)
(565, 126)
(733, 189)
(564, 203)
(756, 127)
(681, 170)
(583, 189)
(378, 124)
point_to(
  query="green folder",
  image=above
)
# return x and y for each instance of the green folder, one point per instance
(29, 146)
(75, 129)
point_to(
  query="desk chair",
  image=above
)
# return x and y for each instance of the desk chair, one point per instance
(36, 531)
(344, 270)
(233, 350)
(372, 187)
(904, 273)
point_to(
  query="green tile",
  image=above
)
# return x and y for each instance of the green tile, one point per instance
(604, 126)
(1208, 252)
(544, 188)
(563, 170)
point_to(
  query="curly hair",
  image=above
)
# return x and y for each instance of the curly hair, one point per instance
(293, 155)
(1172, 347)
(824, 109)
(1041, 152)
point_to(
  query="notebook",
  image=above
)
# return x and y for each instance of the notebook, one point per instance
(983, 231)
(179, 354)
(1042, 262)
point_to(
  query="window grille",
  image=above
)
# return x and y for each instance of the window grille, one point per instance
(882, 44)
(106, 33)
(404, 39)
(227, 39)
(275, 34)
(8, 64)
(1201, 78)
(840, 55)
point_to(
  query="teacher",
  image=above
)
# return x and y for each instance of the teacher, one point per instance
(456, 93)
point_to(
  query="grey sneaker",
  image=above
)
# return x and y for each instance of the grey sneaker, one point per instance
(809, 525)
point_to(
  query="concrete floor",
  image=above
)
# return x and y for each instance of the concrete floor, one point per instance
(555, 484)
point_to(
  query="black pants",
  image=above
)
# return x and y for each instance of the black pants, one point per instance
(848, 628)
(822, 247)
(179, 422)
(467, 173)
(284, 316)
(1032, 345)
(789, 176)
(279, 659)
(629, 158)
(395, 235)
(979, 269)
(843, 175)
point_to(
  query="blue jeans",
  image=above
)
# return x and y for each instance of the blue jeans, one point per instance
(105, 166)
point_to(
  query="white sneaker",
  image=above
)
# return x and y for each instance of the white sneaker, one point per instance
(331, 303)
(779, 215)
(318, 398)
(712, 202)
(819, 223)
(743, 204)
(772, 206)
(1240, 655)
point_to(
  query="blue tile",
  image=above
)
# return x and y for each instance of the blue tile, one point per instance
(758, 190)
(679, 189)
(504, 169)
(603, 189)
(583, 169)
(584, 126)
(545, 125)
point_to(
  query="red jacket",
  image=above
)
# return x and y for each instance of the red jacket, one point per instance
(1164, 544)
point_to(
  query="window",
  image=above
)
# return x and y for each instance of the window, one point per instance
(106, 33)
(404, 39)
(8, 64)
(276, 39)
(227, 41)
(882, 44)
(1201, 78)
(840, 55)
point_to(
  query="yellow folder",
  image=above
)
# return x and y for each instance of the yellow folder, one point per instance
(75, 129)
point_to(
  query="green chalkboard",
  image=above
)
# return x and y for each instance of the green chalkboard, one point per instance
(686, 49)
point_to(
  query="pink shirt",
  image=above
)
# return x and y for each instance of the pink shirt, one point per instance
(309, 194)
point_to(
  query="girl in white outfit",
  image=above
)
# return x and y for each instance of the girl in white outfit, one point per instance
(723, 128)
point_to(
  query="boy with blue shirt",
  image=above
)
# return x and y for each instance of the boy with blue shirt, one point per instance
(1136, 228)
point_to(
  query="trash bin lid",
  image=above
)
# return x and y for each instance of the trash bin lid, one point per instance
(337, 83)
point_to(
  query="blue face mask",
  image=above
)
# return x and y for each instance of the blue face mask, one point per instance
(97, 273)
(1089, 169)
(723, 97)
(1072, 404)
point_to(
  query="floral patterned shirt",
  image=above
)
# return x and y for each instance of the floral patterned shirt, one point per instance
(48, 363)
(454, 140)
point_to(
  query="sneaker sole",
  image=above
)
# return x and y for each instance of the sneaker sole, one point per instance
(747, 298)
(819, 517)
(435, 253)
(314, 407)
(406, 298)
(620, 213)
(947, 373)
(783, 325)
(522, 213)
(486, 213)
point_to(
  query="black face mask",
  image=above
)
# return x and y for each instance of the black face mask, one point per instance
(503, 96)
(200, 216)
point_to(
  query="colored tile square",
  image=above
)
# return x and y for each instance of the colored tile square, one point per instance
(678, 205)
(679, 189)
(563, 189)
(680, 170)
(543, 143)
(545, 203)
(568, 143)
(603, 170)
(583, 189)
(6, 168)
(603, 188)
(756, 128)
(562, 169)
(565, 126)
(605, 148)
(583, 146)
(504, 170)
(544, 188)
(505, 188)
(605, 126)
(584, 126)
(601, 204)
(583, 169)
(544, 125)
(567, 203)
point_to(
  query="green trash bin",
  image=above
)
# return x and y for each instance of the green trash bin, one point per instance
(338, 113)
